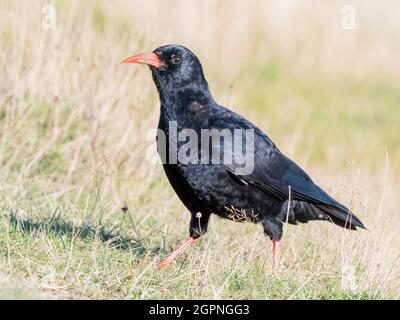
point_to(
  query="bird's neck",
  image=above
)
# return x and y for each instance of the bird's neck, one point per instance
(174, 101)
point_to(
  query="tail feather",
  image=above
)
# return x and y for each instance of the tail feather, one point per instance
(342, 217)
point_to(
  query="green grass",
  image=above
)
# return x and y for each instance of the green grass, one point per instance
(88, 260)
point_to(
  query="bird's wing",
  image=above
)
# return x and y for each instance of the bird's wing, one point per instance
(273, 173)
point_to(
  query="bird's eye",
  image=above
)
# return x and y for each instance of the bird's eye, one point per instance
(176, 59)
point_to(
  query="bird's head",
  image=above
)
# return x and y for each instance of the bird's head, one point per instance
(173, 67)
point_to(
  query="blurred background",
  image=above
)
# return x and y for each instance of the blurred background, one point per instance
(321, 78)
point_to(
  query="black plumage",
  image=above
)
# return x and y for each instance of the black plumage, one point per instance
(261, 196)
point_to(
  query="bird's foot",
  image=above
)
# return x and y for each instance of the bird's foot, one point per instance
(175, 254)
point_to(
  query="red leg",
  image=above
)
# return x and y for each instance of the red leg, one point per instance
(276, 251)
(175, 254)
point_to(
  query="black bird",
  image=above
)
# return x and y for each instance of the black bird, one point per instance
(275, 191)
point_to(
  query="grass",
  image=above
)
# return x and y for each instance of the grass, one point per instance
(73, 149)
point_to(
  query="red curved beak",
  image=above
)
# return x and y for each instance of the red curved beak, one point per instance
(150, 59)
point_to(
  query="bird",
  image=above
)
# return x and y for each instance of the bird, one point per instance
(273, 192)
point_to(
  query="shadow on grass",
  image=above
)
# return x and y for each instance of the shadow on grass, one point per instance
(87, 231)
